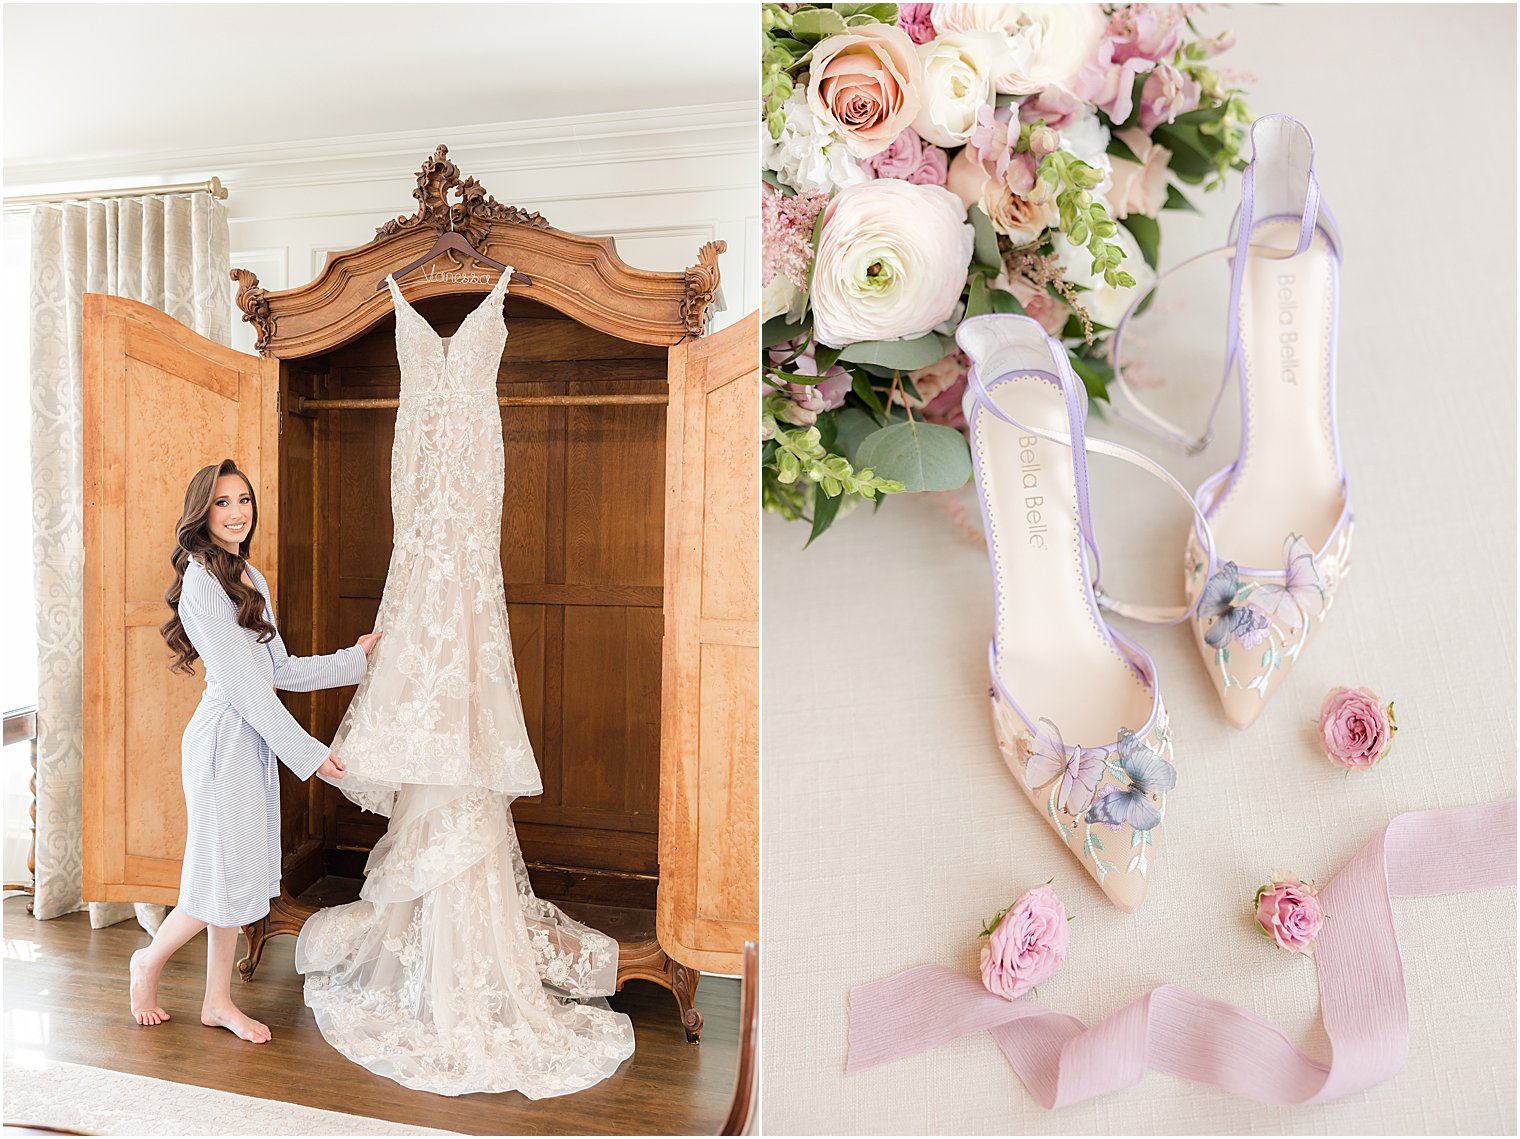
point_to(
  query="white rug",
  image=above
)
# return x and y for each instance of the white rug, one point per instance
(102, 1102)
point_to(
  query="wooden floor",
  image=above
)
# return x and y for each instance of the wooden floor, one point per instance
(66, 999)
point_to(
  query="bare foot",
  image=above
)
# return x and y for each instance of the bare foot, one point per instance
(145, 1006)
(241, 1025)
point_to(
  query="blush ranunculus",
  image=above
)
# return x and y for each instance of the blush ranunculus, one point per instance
(1355, 727)
(865, 85)
(1027, 946)
(891, 262)
(1288, 912)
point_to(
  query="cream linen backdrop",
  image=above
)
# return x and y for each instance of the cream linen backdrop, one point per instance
(169, 251)
(891, 828)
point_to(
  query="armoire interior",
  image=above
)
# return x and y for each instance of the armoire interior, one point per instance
(629, 555)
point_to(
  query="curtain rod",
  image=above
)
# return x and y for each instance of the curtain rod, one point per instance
(213, 187)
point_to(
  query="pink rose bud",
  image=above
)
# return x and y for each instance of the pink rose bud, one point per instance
(1043, 141)
(1355, 727)
(1027, 945)
(1287, 911)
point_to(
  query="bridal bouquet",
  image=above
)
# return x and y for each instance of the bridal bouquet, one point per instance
(925, 163)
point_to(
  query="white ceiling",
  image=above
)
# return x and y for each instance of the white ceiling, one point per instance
(87, 80)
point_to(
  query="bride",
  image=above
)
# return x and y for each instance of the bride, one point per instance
(449, 974)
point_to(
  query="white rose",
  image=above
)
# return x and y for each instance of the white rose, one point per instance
(1047, 43)
(1104, 303)
(891, 262)
(1139, 189)
(809, 155)
(958, 72)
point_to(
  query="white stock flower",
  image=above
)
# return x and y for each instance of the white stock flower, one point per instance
(891, 262)
(809, 155)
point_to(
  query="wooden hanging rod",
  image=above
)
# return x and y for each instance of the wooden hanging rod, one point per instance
(303, 405)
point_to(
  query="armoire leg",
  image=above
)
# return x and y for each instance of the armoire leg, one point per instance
(683, 983)
(257, 934)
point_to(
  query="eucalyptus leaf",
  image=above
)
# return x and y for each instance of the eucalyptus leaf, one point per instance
(852, 426)
(904, 355)
(922, 456)
(816, 24)
(1005, 302)
(880, 13)
(984, 249)
(978, 298)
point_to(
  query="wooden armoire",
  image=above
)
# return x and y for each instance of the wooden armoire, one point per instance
(629, 550)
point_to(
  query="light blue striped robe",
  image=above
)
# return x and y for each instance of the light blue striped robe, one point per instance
(232, 785)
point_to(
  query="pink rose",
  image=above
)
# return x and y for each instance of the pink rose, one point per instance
(864, 84)
(1167, 93)
(911, 159)
(1355, 727)
(940, 388)
(1138, 189)
(1288, 912)
(914, 19)
(1027, 946)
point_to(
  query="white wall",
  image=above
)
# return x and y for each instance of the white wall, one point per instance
(660, 183)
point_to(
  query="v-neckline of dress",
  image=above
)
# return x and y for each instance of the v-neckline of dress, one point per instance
(444, 341)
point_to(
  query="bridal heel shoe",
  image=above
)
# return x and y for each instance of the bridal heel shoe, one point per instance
(1281, 511)
(1075, 705)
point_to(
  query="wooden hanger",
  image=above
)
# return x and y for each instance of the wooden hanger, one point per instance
(450, 240)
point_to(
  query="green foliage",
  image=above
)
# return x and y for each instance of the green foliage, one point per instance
(918, 455)
(1084, 218)
(901, 355)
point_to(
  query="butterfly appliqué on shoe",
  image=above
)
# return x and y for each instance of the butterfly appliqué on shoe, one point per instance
(1079, 770)
(1245, 623)
(1302, 592)
(1149, 774)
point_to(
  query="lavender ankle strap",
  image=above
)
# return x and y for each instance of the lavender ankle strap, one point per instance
(1314, 215)
(1082, 445)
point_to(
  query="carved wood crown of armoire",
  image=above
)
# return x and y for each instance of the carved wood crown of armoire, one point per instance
(629, 548)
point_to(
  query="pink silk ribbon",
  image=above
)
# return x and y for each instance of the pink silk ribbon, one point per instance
(1361, 984)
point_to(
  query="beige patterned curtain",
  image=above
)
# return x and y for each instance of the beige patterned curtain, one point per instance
(169, 251)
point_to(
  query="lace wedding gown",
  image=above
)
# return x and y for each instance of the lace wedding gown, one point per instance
(449, 975)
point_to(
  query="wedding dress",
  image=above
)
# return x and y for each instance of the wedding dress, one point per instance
(449, 975)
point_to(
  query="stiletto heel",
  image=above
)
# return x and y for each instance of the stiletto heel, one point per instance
(1281, 511)
(1081, 686)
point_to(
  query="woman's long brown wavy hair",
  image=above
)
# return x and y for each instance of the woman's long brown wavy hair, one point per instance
(193, 538)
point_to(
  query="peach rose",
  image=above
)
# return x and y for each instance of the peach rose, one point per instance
(1022, 219)
(864, 84)
(1138, 189)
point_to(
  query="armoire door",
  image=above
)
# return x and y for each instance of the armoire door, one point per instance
(160, 402)
(709, 901)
